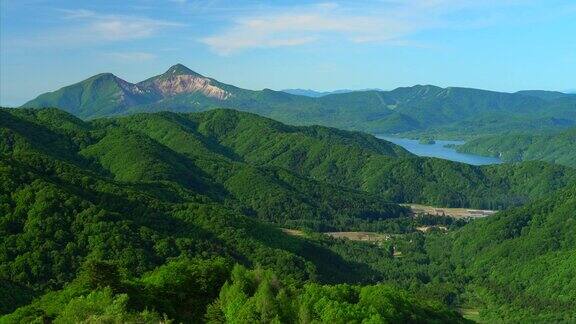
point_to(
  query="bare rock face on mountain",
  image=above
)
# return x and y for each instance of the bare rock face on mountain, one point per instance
(129, 94)
(181, 80)
(179, 84)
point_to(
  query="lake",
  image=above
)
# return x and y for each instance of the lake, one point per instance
(439, 151)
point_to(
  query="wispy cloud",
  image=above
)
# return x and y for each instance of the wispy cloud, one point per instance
(131, 56)
(116, 27)
(86, 27)
(297, 28)
(77, 13)
(385, 21)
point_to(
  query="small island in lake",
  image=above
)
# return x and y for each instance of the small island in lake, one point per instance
(427, 140)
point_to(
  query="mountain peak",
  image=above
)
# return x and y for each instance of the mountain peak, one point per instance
(180, 69)
(106, 75)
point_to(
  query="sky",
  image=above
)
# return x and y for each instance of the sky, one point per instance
(503, 45)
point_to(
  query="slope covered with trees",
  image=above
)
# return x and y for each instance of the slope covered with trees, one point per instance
(78, 230)
(360, 161)
(558, 148)
(523, 261)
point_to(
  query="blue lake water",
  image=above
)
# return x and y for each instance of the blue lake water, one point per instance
(439, 151)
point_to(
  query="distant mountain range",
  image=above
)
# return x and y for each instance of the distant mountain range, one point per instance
(546, 95)
(317, 94)
(419, 109)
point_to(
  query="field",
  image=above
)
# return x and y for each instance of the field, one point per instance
(371, 237)
(374, 237)
(450, 212)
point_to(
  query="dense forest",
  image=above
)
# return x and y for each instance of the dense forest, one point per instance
(167, 216)
(221, 139)
(421, 109)
(557, 147)
(523, 261)
(89, 208)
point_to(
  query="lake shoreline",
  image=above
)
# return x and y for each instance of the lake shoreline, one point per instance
(442, 149)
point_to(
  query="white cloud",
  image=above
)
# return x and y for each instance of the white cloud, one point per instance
(77, 13)
(131, 56)
(305, 26)
(85, 27)
(125, 28)
(387, 21)
(121, 27)
(300, 28)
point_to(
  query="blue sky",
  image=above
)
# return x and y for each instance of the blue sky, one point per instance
(505, 45)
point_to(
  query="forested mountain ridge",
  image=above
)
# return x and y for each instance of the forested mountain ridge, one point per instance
(450, 111)
(167, 147)
(352, 160)
(220, 139)
(558, 147)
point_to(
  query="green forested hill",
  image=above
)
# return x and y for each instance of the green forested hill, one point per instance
(102, 94)
(128, 219)
(223, 139)
(419, 109)
(523, 261)
(557, 148)
(217, 141)
(353, 160)
(125, 150)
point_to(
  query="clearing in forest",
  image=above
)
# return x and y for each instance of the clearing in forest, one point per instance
(450, 212)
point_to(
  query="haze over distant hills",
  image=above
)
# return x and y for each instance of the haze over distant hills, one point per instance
(546, 95)
(412, 110)
(317, 94)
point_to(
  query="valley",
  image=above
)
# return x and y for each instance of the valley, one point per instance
(427, 218)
